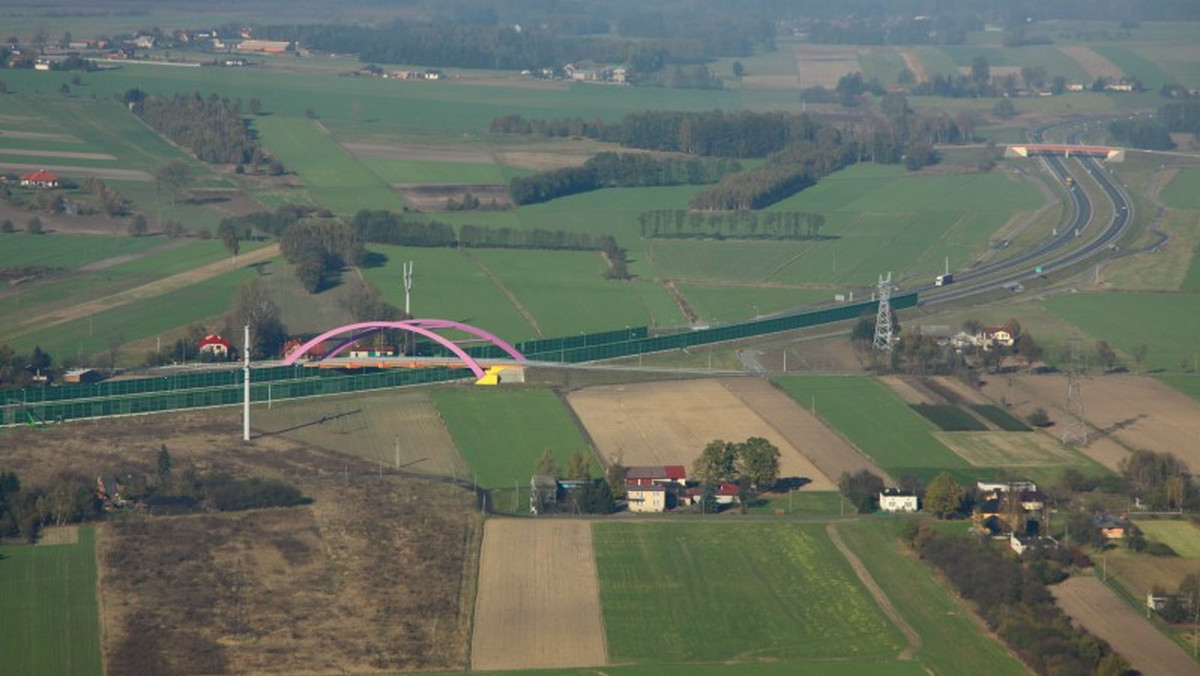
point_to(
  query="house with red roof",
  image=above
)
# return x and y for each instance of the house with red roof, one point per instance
(215, 345)
(726, 494)
(39, 179)
(656, 474)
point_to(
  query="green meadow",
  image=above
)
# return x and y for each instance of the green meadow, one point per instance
(736, 592)
(49, 622)
(1167, 323)
(501, 433)
(877, 421)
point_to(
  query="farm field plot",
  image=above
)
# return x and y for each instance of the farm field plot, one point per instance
(950, 418)
(749, 592)
(1182, 536)
(1189, 385)
(502, 433)
(1132, 63)
(824, 65)
(1139, 412)
(1165, 322)
(1009, 449)
(670, 423)
(538, 604)
(875, 420)
(1183, 192)
(1106, 615)
(729, 302)
(905, 390)
(48, 615)
(1048, 57)
(1093, 64)
(950, 643)
(400, 427)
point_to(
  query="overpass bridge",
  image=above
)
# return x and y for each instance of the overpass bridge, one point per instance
(1031, 149)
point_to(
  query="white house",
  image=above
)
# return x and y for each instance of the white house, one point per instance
(651, 498)
(896, 500)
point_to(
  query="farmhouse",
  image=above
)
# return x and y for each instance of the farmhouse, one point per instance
(647, 498)
(215, 345)
(998, 335)
(656, 474)
(896, 500)
(726, 494)
(1111, 527)
(39, 179)
(78, 376)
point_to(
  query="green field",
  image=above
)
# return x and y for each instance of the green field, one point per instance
(49, 623)
(1189, 385)
(1135, 65)
(1183, 192)
(949, 417)
(742, 592)
(1182, 536)
(951, 642)
(1166, 322)
(877, 421)
(501, 433)
(68, 252)
(841, 667)
(1000, 418)
(1045, 56)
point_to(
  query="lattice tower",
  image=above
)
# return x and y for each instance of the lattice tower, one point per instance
(883, 318)
(1074, 427)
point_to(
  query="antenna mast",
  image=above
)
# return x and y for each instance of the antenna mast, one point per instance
(246, 381)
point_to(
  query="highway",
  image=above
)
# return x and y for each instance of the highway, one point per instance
(1056, 252)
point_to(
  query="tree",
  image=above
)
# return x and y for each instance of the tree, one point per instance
(1039, 418)
(716, 462)
(862, 489)
(34, 226)
(1004, 108)
(1139, 354)
(164, 467)
(614, 476)
(1106, 355)
(1029, 349)
(230, 237)
(7, 226)
(253, 307)
(758, 463)
(138, 227)
(579, 467)
(174, 176)
(738, 69)
(547, 464)
(981, 71)
(255, 106)
(943, 496)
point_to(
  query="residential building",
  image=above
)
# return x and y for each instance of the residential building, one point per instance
(39, 179)
(896, 500)
(646, 498)
(656, 474)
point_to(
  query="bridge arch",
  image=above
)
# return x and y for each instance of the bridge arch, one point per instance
(352, 333)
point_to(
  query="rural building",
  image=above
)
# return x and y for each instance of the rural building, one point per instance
(896, 500)
(315, 352)
(1111, 527)
(998, 335)
(726, 494)
(647, 498)
(215, 345)
(264, 46)
(77, 376)
(1022, 544)
(40, 179)
(360, 351)
(993, 489)
(656, 474)
(543, 493)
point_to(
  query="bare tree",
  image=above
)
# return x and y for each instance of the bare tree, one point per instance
(174, 176)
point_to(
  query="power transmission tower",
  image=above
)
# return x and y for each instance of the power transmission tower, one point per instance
(1075, 427)
(883, 319)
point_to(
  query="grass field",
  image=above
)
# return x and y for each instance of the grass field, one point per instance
(1183, 192)
(1044, 56)
(64, 251)
(1011, 449)
(1135, 65)
(1189, 385)
(877, 421)
(743, 592)
(951, 643)
(48, 617)
(949, 418)
(1166, 322)
(841, 667)
(1181, 535)
(1000, 418)
(502, 433)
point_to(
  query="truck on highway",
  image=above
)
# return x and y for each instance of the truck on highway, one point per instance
(943, 280)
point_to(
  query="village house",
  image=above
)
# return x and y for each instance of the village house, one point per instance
(646, 498)
(1112, 527)
(40, 179)
(997, 335)
(897, 500)
(215, 345)
(726, 493)
(656, 474)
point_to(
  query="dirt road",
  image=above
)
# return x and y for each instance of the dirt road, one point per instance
(885, 604)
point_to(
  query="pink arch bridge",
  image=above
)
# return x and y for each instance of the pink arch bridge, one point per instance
(350, 334)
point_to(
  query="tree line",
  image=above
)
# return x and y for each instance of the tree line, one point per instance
(679, 223)
(1181, 116)
(618, 170)
(213, 127)
(1148, 134)
(1015, 603)
(785, 173)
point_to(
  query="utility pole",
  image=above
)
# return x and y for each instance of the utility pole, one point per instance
(246, 381)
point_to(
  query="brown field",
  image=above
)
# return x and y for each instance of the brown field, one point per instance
(1139, 412)
(669, 423)
(399, 428)
(1104, 614)
(910, 394)
(539, 599)
(1096, 66)
(1139, 574)
(958, 392)
(375, 574)
(914, 64)
(823, 65)
(1007, 449)
(435, 196)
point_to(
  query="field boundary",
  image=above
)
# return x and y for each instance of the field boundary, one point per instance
(877, 593)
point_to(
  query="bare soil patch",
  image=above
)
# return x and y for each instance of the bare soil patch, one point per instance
(539, 599)
(39, 136)
(232, 202)
(1104, 614)
(396, 429)
(670, 423)
(1006, 449)
(914, 64)
(1138, 412)
(1096, 65)
(436, 196)
(956, 391)
(375, 575)
(59, 535)
(910, 394)
(824, 65)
